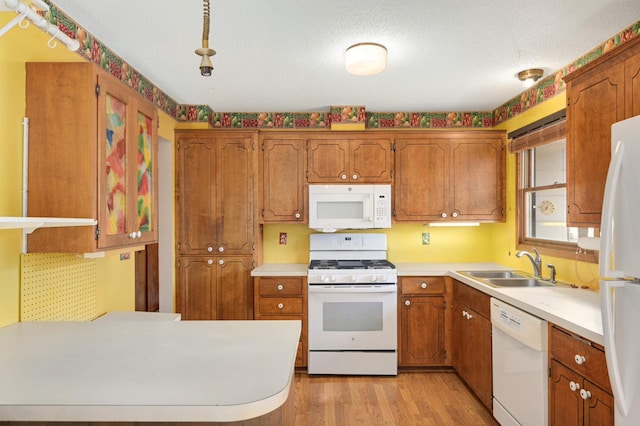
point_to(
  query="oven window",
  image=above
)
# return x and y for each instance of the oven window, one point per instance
(340, 210)
(352, 316)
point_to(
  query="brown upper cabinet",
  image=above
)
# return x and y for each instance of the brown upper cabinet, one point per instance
(599, 94)
(92, 154)
(359, 158)
(450, 176)
(282, 165)
(215, 182)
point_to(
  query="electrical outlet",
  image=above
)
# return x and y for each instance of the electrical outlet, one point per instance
(283, 238)
(425, 238)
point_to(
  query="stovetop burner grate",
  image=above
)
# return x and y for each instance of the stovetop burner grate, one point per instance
(351, 264)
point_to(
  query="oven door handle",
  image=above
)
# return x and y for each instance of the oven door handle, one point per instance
(352, 289)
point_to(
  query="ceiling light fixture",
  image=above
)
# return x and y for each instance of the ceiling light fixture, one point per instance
(530, 76)
(365, 58)
(205, 65)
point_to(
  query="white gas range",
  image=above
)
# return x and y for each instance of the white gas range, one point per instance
(352, 305)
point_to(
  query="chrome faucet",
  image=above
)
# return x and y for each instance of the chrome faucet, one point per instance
(537, 262)
(552, 278)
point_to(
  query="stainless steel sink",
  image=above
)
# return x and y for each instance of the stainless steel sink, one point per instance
(495, 274)
(518, 282)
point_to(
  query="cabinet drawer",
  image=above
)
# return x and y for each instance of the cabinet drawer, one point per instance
(422, 285)
(474, 299)
(290, 286)
(280, 305)
(581, 356)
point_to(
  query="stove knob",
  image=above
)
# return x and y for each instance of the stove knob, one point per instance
(324, 278)
(382, 278)
(333, 278)
(352, 278)
(373, 278)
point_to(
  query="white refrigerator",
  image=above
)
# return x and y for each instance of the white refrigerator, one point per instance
(620, 270)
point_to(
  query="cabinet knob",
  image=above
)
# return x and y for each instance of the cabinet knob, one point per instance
(355, 177)
(220, 249)
(424, 285)
(209, 249)
(343, 177)
(280, 305)
(298, 215)
(444, 215)
(454, 214)
(209, 262)
(221, 262)
(280, 287)
(574, 386)
(585, 394)
(580, 359)
(407, 302)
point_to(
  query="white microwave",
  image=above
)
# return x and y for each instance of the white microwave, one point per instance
(345, 206)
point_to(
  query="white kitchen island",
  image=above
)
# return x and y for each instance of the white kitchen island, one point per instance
(148, 371)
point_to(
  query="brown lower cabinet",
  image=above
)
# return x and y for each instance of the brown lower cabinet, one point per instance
(471, 341)
(579, 388)
(283, 298)
(215, 288)
(422, 321)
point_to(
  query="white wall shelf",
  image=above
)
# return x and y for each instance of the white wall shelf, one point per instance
(30, 224)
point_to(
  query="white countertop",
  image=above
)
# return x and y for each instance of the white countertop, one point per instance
(145, 370)
(281, 270)
(577, 310)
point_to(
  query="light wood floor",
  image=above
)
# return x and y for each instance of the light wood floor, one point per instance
(411, 398)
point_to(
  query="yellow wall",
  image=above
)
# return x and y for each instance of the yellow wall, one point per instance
(115, 277)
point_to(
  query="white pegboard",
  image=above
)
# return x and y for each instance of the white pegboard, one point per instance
(57, 287)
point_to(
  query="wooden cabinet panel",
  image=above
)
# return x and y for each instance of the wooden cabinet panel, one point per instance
(92, 154)
(450, 176)
(215, 192)
(471, 345)
(359, 159)
(423, 331)
(593, 365)
(599, 94)
(579, 389)
(282, 190)
(283, 298)
(477, 189)
(567, 406)
(422, 285)
(594, 103)
(421, 188)
(196, 295)
(214, 288)
(370, 160)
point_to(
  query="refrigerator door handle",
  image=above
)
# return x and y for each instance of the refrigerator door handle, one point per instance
(607, 289)
(608, 207)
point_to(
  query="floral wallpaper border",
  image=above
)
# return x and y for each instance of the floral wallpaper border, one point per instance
(97, 52)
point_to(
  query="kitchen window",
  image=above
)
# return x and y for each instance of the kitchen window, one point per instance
(541, 189)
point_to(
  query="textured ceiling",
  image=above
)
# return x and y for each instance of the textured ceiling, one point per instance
(288, 55)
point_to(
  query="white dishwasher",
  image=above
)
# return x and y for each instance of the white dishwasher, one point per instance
(519, 347)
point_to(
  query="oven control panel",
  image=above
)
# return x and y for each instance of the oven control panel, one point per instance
(335, 277)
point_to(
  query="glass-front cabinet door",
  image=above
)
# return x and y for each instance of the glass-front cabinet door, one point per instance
(127, 158)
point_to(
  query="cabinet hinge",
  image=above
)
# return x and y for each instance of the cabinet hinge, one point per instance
(549, 371)
(97, 232)
(97, 90)
(158, 123)
(262, 147)
(393, 212)
(253, 146)
(393, 147)
(445, 354)
(502, 146)
(502, 211)
(253, 264)
(568, 209)
(444, 305)
(178, 247)
(262, 213)
(177, 145)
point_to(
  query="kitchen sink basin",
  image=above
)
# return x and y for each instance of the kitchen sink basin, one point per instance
(518, 282)
(495, 274)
